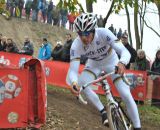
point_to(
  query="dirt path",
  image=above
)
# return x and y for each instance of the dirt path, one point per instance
(65, 113)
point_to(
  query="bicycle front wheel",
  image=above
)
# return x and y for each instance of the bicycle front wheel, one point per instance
(116, 118)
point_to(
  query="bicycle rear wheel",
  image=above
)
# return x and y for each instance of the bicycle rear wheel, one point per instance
(116, 118)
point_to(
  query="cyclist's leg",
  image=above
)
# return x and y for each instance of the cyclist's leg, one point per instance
(85, 77)
(124, 91)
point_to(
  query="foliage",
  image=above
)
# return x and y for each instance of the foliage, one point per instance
(3, 10)
(73, 5)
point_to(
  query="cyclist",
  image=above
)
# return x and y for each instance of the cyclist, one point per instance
(101, 47)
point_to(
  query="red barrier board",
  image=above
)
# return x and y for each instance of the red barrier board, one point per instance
(156, 88)
(12, 59)
(37, 90)
(56, 72)
(56, 75)
(13, 106)
(23, 95)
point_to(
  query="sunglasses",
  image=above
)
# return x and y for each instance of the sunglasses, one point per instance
(84, 33)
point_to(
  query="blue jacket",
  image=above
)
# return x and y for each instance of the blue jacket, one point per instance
(45, 52)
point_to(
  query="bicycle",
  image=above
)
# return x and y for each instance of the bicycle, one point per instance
(117, 117)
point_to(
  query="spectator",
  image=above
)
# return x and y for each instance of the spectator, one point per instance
(111, 28)
(8, 4)
(156, 64)
(125, 32)
(11, 46)
(115, 32)
(63, 13)
(45, 50)
(13, 5)
(44, 10)
(3, 43)
(131, 50)
(28, 6)
(119, 34)
(27, 48)
(49, 12)
(20, 6)
(71, 18)
(66, 48)
(100, 21)
(57, 51)
(1, 46)
(1, 37)
(141, 62)
(35, 10)
(156, 80)
(56, 16)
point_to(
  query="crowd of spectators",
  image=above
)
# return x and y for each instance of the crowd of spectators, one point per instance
(41, 10)
(7, 44)
(61, 52)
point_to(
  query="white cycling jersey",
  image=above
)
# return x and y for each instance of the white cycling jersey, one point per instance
(102, 56)
(99, 48)
(104, 44)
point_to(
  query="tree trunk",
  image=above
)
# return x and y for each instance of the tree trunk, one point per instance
(138, 46)
(157, 2)
(142, 13)
(89, 6)
(108, 14)
(129, 26)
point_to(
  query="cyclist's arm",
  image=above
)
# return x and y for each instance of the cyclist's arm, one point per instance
(72, 76)
(122, 51)
(111, 39)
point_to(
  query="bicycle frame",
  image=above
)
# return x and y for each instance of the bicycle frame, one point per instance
(111, 102)
(106, 87)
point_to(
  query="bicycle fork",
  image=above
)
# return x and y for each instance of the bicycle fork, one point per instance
(109, 97)
(110, 100)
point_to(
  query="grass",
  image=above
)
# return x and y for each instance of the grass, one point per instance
(57, 89)
(148, 114)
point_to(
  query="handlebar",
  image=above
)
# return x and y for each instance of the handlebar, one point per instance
(80, 98)
(149, 72)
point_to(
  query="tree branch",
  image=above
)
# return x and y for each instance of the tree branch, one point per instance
(108, 14)
(149, 26)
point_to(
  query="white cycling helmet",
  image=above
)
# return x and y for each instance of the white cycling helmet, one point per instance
(85, 22)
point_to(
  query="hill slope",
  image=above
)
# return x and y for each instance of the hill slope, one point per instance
(64, 112)
(18, 28)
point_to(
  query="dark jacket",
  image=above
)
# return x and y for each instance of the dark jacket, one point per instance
(57, 52)
(12, 48)
(3, 46)
(66, 51)
(133, 53)
(34, 5)
(156, 64)
(142, 64)
(28, 48)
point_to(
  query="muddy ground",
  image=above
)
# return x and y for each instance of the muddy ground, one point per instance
(66, 113)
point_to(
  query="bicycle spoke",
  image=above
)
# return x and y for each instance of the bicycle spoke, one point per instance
(117, 119)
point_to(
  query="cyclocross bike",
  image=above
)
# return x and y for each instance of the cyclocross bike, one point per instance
(118, 118)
